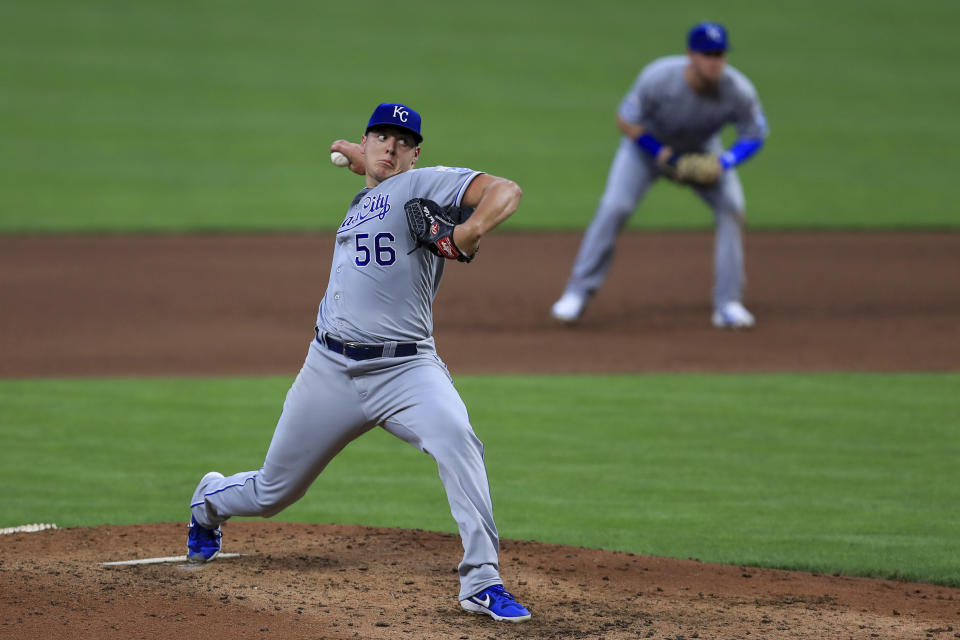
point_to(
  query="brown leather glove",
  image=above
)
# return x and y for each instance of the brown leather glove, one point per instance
(698, 168)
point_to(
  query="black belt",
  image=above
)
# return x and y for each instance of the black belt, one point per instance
(358, 351)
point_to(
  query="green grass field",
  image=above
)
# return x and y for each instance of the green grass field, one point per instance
(843, 472)
(218, 116)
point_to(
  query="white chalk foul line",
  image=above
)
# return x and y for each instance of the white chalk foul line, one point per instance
(28, 528)
(182, 558)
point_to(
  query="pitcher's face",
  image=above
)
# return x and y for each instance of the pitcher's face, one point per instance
(388, 151)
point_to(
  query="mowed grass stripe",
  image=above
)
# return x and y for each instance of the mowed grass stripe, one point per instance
(853, 473)
(121, 116)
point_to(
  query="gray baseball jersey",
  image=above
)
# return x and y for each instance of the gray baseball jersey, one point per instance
(378, 291)
(380, 294)
(662, 101)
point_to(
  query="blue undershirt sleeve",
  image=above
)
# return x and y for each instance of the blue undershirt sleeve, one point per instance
(649, 144)
(740, 151)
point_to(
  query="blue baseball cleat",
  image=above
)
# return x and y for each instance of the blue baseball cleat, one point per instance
(203, 544)
(497, 603)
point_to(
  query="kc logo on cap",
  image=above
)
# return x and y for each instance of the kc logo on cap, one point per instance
(707, 36)
(396, 115)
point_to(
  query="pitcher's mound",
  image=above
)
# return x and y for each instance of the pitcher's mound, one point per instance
(316, 581)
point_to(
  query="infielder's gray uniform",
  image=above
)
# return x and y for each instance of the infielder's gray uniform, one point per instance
(380, 293)
(664, 104)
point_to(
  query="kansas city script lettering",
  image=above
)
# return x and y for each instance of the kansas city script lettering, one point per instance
(370, 207)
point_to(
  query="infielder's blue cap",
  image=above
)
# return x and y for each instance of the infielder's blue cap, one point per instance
(396, 115)
(707, 36)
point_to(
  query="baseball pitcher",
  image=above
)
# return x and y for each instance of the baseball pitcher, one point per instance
(671, 120)
(372, 359)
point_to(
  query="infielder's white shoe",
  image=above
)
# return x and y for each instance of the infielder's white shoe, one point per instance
(569, 307)
(733, 315)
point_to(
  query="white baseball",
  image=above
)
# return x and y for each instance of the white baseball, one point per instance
(339, 159)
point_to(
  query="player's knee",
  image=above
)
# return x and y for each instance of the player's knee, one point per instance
(457, 430)
(274, 498)
(616, 209)
(734, 214)
(454, 436)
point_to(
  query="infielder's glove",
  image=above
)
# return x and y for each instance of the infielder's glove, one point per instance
(432, 227)
(694, 168)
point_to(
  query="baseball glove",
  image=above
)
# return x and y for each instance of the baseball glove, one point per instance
(432, 227)
(459, 215)
(694, 168)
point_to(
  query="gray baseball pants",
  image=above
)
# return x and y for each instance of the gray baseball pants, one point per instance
(631, 175)
(335, 400)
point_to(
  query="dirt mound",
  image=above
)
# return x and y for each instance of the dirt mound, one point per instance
(315, 581)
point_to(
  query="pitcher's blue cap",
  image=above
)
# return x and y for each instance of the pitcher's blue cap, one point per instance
(707, 36)
(396, 115)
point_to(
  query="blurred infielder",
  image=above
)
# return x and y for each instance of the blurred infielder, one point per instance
(373, 361)
(671, 121)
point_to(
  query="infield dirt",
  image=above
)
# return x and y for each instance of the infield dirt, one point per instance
(211, 305)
